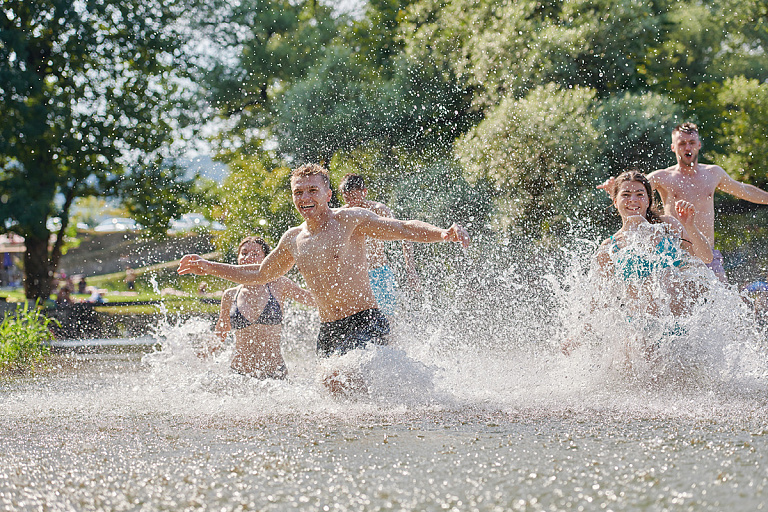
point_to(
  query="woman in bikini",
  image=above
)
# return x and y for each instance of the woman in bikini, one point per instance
(639, 263)
(255, 314)
(648, 242)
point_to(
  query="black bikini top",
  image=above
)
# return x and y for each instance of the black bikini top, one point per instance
(272, 314)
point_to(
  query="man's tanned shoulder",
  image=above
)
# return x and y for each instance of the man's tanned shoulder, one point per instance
(352, 213)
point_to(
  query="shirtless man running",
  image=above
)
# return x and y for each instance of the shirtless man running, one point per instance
(383, 281)
(329, 251)
(690, 181)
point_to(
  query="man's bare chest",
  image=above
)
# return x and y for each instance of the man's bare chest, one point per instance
(694, 189)
(320, 251)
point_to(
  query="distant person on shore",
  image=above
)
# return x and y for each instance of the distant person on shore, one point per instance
(758, 292)
(646, 252)
(130, 278)
(329, 251)
(97, 296)
(696, 183)
(383, 281)
(82, 286)
(255, 314)
(64, 296)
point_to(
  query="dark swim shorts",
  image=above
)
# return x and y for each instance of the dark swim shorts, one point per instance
(355, 331)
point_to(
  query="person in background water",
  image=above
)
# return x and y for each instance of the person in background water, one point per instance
(696, 183)
(758, 292)
(383, 281)
(639, 256)
(328, 248)
(255, 314)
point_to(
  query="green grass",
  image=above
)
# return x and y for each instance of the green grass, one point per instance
(23, 334)
(171, 305)
(164, 276)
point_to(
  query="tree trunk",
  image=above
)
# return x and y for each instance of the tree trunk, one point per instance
(37, 271)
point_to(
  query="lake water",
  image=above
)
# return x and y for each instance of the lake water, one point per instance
(468, 410)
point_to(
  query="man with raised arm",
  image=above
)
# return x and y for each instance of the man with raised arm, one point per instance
(383, 281)
(329, 251)
(690, 181)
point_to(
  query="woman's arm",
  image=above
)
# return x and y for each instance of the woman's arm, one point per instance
(291, 290)
(222, 326)
(697, 244)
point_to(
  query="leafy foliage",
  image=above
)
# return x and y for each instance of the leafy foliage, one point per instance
(90, 91)
(744, 120)
(155, 196)
(520, 106)
(439, 194)
(268, 44)
(540, 151)
(505, 48)
(22, 339)
(255, 200)
(635, 131)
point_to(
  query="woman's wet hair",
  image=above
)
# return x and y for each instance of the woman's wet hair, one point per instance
(651, 214)
(256, 240)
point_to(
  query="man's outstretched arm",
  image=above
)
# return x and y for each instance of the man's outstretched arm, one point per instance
(385, 228)
(741, 190)
(276, 264)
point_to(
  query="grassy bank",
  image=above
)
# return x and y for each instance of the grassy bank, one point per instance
(158, 282)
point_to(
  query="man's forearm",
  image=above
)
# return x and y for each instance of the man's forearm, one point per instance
(700, 246)
(418, 231)
(241, 274)
(754, 194)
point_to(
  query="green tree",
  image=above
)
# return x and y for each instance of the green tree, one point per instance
(542, 155)
(87, 90)
(155, 195)
(267, 45)
(438, 193)
(376, 36)
(745, 116)
(338, 108)
(708, 42)
(635, 130)
(498, 49)
(331, 110)
(255, 200)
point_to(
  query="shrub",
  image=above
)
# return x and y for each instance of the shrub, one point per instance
(22, 337)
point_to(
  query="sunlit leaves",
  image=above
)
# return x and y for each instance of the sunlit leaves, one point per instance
(88, 88)
(540, 150)
(255, 200)
(745, 120)
(507, 48)
(635, 131)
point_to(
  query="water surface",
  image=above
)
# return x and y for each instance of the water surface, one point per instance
(469, 409)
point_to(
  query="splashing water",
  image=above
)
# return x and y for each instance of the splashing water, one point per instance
(493, 341)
